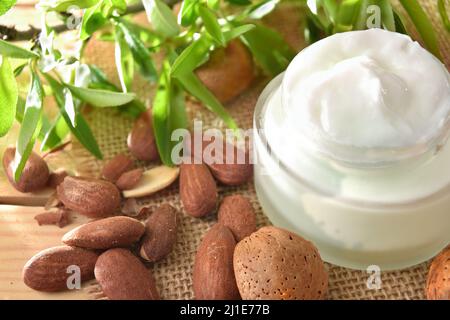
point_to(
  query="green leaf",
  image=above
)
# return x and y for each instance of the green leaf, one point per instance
(237, 32)
(347, 15)
(124, 62)
(269, 49)
(9, 50)
(443, 12)
(140, 53)
(93, 19)
(399, 25)
(312, 32)
(101, 98)
(64, 5)
(240, 2)
(56, 135)
(191, 57)
(211, 24)
(423, 26)
(9, 95)
(5, 5)
(331, 9)
(31, 125)
(188, 13)
(169, 113)
(99, 81)
(261, 9)
(161, 114)
(195, 87)
(19, 69)
(213, 4)
(387, 14)
(81, 131)
(161, 17)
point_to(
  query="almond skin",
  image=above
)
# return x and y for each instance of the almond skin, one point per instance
(213, 277)
(35, 174)
(129, 179)
(438, 282)
(122, 276)
(105, 233)
(91, 197)
(198, 190)
(117, 166)
(275, 264)
(229, 71)
(141, 140)
(236, 212)
(47, 270)
(160, 233)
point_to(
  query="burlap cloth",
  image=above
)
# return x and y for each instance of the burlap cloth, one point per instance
(174, 274)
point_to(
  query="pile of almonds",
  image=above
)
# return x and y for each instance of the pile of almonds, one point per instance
(234, 259)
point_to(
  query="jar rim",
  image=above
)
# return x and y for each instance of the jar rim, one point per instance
(258, 123)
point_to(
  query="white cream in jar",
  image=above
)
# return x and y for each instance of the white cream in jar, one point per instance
(352, 149)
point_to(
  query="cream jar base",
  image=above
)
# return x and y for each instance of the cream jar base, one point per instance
(349, 255)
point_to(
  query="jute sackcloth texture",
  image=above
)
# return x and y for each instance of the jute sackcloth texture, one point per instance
(174, 274)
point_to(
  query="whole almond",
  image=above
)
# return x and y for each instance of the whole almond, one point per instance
(229, 164)
(129, 179)
(114, 168)
(122, 276)
(105, 233)
(34, 176)
(49, 269)
(141, 140)
(275, 264)
(236, 169)
(198, 190)
(160, 233)
(438, 282)
(213, 276)
(91, 197)
(237, 213)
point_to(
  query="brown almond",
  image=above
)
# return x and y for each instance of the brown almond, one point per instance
(237, 213)
(56, 178)
(91, 197)
(229, 71)
(198, 190)
(438, 281)
(117, 166)
(213, 276)
(106, 233)
(34, 176)
(59, 218)
(48, 270)
(275, 264)
(229, 164)
(129, 179)
(122, 276)
(160, 233)
(141, 140)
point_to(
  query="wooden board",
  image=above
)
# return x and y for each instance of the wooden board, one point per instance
(21, 238)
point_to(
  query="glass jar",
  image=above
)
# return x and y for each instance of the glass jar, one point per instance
(394, 229)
